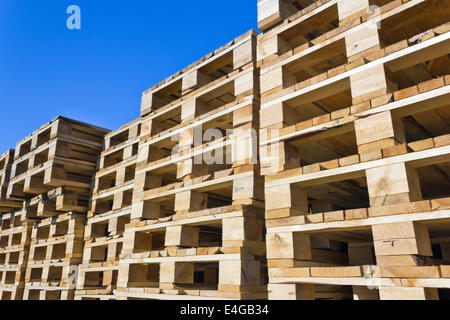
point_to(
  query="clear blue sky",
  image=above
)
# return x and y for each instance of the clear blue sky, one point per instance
(97, 74)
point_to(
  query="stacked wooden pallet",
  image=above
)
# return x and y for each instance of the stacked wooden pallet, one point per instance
(15, 235)
(56, 250)
(197, 213)
(110, 211)
(52, 172)
(355, 147)
(6, 161)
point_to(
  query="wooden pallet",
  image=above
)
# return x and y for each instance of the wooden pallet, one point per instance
(56, 202)
(220, 66)
(192, 255)
(15, 235)
(62, 153)
(6, 161)
(110, 212)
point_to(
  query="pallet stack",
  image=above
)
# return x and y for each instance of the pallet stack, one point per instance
(355, 148)
(110, 211)
(52, 172)
(15, 236)
(197, 216)
(7, 205)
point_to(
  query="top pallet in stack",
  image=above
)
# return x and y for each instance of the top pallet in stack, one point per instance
(197, 221)
(52, 172)
(355, 139)
(112, 197)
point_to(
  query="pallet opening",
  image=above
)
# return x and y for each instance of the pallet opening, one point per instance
(14, 257)
(149, 241)
(107, 181)
(62, 228)
(103, 205)
(24, 148)
(161, 149)
(212, 196)
(440, 242)
(127, 199)
(144, 276)
(118, 157)
(206, 275)
(324, 150)
(34, 294)
(99, 253)
(59, 251)
(210, 236)
(43, 232)
(422, 127)
(113, 159)
(36, 274)
(40, 158)
(413, 21)
(55, 274)
(166, 95)
(122, 222)
(40, 253)
(52, 295)
(2, 261)
(99, 280)
(434, 180)
(99, 230)
(319, 103)
(6, 295)
(341, 195)
(217, 68)
(5, 223)
(310, 29)
(16, 239)
(121, 137)
(417, 76)
(15, 219)
(4, 241)
(43, 138)
(216, 98)
(315, 64)
(21, 167)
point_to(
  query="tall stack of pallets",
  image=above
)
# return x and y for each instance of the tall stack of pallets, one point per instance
(52, 172)
(355, 127)
(15, 235)
(197, 217)
(7, 205)
(110, 211)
